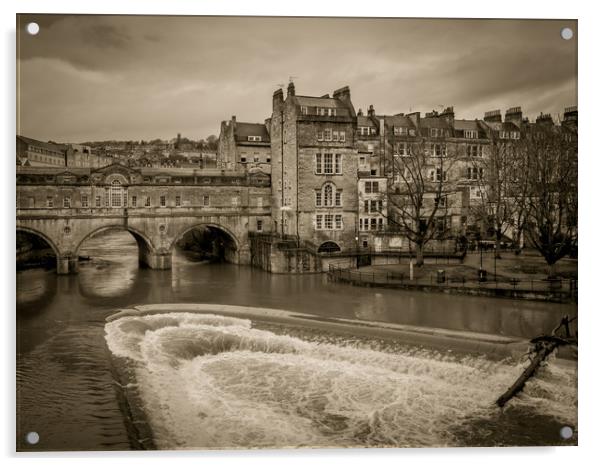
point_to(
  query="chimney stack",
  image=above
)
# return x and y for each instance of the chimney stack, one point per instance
(449, 115)
(514, 115)
(371, 110)
(493, 116)
(277, 100)
(291, 89)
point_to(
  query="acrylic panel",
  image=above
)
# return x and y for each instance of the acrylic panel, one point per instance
(285, 232)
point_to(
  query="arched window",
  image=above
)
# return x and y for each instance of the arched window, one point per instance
(329, 246)
(116, 194)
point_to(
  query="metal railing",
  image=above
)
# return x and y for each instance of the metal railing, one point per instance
(559, 288)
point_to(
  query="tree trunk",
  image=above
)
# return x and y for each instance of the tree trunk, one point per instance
(497, 245)
(419, 255)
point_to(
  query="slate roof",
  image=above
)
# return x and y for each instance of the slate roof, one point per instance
(44, 145)
(244, 130)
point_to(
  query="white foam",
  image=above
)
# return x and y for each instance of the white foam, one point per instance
(209, 381)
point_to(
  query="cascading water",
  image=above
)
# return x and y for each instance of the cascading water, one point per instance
(211, 381)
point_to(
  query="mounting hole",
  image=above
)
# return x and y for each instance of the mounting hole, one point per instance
(32, 28)
(566, 432)
(566, 33)
(32, 438)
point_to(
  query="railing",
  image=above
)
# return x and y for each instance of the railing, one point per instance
(558, 288)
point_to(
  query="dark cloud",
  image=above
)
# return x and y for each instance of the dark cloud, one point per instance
(97, 77)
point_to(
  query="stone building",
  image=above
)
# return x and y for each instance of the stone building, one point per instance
(243, 146)
(314, 168)
(33, 153)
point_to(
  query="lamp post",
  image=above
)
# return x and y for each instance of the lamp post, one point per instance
(495, 262)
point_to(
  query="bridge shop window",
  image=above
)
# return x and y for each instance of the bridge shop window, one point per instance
(178, 201)
(134, 201)
(163, 201)
(67, 202)
(49, 202)
(259, 225)
(97, 202)
(84, 200)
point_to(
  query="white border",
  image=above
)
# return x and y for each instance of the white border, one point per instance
(589, 108)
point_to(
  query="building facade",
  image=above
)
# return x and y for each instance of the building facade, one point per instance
(244, 146)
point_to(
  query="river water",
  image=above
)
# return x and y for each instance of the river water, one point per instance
(66, 393)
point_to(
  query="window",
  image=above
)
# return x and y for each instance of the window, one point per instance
(376, 206)
(49, 202)
(254, 138)
(338, 222)
(97, 201)
(319, 222)
(515, 135)
(441, 201)
(134, 201)
(471, 134)
(338, 168)
(205, 200)
(335, 136)
(332, 112)
(259, 225)
(116, 193)
(303, 110)
(373, 224)
(371, 187)
(163, 201)
(438, 175)
(337, 199)
(341, 136)
(320, 135)
(438, 150)
(243, 160)
(437, 132)
(256, 158)
(318, 198)
(400, 131)
(475, 192)
(318, 164)
(234, 200)
(67, 202)
(328, 221)
(402, 149)
(412, 132)
(84, 200)
(328, 195)
(178, 201)
(504, 135)
(328, 134)
(321, 111)
(327, 168)
(474, 173)
(474, 150)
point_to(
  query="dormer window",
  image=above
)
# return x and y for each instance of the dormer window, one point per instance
(400, 131)
(437, 132)
(471, 134)
(254, 138)
(303, 110)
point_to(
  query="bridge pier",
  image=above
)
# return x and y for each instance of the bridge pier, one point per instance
(154, 260)
(66, 264)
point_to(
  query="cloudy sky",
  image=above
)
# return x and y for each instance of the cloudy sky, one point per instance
(88, 78)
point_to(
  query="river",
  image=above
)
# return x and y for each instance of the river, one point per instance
(65, 390)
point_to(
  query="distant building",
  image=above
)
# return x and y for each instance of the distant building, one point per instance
(33, 153)
(242, 146)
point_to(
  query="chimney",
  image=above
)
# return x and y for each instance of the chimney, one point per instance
(570, 115)
(291, 89)
(448, 114)
(277, 100)
(493, 116)
(514, 115)
(344, 95)
(414, 118)
(544, 119)
(371, 110)
(360, 113)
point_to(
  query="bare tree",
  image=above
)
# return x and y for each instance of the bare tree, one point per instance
(500, 177)
(417, 194)
(551, 203)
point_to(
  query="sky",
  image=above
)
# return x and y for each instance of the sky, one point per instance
(92, 78)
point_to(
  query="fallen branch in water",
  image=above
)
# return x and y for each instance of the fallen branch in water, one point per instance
(542, 347)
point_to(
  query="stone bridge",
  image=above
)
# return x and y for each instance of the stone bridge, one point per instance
(66, 206)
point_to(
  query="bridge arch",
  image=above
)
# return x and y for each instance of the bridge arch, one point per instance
(146, 248)
(231, 256)
(38, 233)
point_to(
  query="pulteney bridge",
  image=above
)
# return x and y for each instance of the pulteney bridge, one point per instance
(65, 206)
